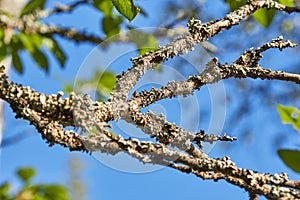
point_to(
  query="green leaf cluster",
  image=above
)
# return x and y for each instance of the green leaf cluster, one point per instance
(126, 8)
(33, 191)
(111, 22)
(13, 43)
(290, 115)
(33, 44)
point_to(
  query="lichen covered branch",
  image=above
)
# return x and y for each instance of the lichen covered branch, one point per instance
(246, 66)
(174, 147)
(199, 32)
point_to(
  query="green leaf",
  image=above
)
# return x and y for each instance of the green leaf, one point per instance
(30, 41)
(291, 158)
(68, 88)
(33, 5)
(126, 8)
(3, 46)
(103, 81)
(264, 16)
(4, 191)
(27, 42)
(53, 46)
(2, 34)
(111, 25)
(13, 48)
(36, 39)
(235, 4)
(26, 174)
(16, 43)
(143, 41)
(40, 59)
(3, 50)
(287, 2)
(108, 80)
(16, 61)
(104, 6)
(289, 115)
(54, 192)
(106, 84)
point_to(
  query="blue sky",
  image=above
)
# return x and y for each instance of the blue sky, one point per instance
(103, 182)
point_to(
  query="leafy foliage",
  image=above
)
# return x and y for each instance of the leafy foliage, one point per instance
(51, 44)
(16, 61)
(126, 8)
(111, 25)
(144, 42)
(32, 6)
(104, 6)
(33, 191)
(291, 158)
(13, 42)
(264, 16)
(4, 191)
(111, 22)
(33, 44)
(290, 115)
(235, 4)
(287, 2)
(26, 174)
(102, 82)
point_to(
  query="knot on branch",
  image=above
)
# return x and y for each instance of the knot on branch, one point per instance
(54, 133)
(249, 58)
(199, 31)
(211, 74)
(277, 43)
(86, 115)
(203, 137)
(263, 3)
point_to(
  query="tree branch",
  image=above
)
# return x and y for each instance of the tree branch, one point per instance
(29, 24)
(198, 33)
(246, 66)
(50, 114)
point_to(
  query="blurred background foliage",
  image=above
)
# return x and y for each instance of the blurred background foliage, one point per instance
(30, 191)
